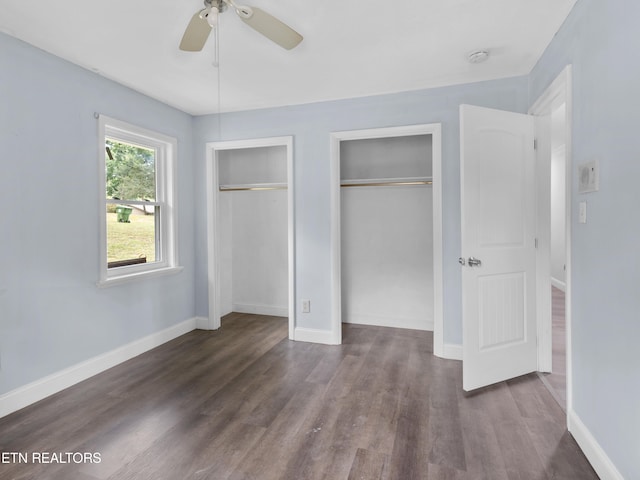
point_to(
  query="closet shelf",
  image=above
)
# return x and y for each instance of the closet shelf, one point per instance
(253, 186)
(386, 182)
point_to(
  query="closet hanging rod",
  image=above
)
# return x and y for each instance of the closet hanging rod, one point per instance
(388, 184)
(255, 187)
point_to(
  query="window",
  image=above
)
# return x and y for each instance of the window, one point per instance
(137, 202)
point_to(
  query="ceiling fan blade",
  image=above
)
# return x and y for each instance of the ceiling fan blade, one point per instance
(196, 34)
(269, 26)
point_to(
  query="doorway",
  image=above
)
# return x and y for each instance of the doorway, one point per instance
(250, 229)
(557, 378)
(383, 168)
(553, 113)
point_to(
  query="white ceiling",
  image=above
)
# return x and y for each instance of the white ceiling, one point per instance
(351, 48)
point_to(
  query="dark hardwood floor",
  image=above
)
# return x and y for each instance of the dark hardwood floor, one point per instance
(556, 381)
(246, 403)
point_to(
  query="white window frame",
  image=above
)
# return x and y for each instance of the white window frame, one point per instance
(165, 164)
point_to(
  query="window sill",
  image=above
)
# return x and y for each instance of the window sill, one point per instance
(132, 277)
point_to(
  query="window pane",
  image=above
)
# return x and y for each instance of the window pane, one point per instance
(131, 171)
(131, 234)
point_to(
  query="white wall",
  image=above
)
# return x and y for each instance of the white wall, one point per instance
(387, 256)
(252, 165)
(259, 259)
(387, 233)
(386, 157)
(254, 228)
(558, 197)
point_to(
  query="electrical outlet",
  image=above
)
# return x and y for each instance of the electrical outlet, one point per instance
(306, 306)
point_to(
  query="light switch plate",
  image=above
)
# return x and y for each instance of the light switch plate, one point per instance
(582, 212)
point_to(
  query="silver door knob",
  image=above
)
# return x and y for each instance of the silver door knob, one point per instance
(462, 261)
(474, 262)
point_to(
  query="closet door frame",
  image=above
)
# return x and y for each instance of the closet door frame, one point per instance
(213, 219)
(433, 129)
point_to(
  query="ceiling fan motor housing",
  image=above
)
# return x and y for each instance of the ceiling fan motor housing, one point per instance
(221, 5)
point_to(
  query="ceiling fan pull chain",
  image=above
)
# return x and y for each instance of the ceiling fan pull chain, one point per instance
(216, 47)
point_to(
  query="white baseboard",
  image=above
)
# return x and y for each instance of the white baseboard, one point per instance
(314, 336)
(599, 460)
(452, 351)
(202, 323)
(559, 284)
(36, 391)
(398, 322)
(257, 309)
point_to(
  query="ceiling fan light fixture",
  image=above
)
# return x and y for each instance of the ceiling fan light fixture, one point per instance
(478, 56)
(212, 17)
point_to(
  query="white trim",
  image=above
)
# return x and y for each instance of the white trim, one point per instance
(558, 92)
(336, 261)
(166, 148)
(213, 215)
(132, 277)
(260, 309)
(452, 351)
(568, 74)
(44, 387)
(553, 95)
(213, 240)
(435, 130)
(542, 186)
(559, 284)
(313, 335)
(291, 237)
(599, 460)
(386, 321)
(202, 323)
(438, 286)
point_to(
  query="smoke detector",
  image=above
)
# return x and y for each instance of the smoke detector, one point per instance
(478, 56)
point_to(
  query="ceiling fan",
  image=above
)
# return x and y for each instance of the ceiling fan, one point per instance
(203, 21)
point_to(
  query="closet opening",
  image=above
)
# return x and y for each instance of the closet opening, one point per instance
(250, 219)
(388, 224)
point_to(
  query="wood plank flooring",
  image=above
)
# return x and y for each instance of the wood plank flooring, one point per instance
(245, 403)
(558, 377)
(556, 381)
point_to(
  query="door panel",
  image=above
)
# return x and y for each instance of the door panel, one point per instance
(501, 313)
(498, 225)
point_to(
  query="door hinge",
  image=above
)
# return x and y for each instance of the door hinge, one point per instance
(535, 144)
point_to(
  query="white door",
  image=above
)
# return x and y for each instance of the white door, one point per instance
(498, 245)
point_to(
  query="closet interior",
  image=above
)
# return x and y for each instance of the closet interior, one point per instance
(386, 214)
(253, 230)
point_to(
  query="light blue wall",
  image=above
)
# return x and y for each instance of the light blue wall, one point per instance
(52, 315)
(311, 125)
(601, 40)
